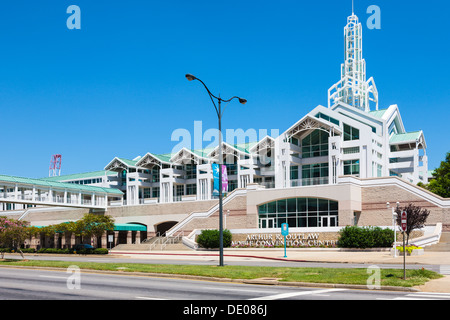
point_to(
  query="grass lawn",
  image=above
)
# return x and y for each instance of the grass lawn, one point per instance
(389, 277)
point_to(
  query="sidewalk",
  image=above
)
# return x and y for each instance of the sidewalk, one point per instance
(330, 256)
(335, 256)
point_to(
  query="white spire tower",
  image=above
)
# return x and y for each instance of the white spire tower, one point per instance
(353, 89)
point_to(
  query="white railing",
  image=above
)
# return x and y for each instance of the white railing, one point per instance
(206, 214)
(189, 241)
(429, 240)
(268, 185)
(309, 182)
(172, 240)
(163, 241)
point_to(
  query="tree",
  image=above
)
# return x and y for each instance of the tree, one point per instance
(416, 219)
(88, 226)
(96, 225)
(440, 185)
(12, 233)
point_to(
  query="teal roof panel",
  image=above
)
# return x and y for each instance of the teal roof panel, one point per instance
(60, 185)
(405, 137)
(79, 176)
(129, 227)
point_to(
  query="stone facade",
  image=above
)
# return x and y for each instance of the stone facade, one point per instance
(374, 211)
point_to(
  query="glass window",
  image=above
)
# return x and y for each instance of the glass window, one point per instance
(323, 205)
(350, 133)
(312, 205)
(351, 167)
(315, 144)
(281, 206)
(301, 205)
(191, 189)
(292, 205)
(298, 212)
(232, 184)
(294, 172)
(262, 208)
(272, 207)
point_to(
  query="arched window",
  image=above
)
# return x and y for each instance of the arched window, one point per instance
(299, 213)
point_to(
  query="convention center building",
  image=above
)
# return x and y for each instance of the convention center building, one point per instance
(338, 165)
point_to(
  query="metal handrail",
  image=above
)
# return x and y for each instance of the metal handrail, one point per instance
(172, 239)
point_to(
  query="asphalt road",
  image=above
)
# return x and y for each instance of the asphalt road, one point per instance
(25, 284)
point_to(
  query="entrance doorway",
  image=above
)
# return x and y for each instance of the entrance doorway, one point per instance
(266, 223)
(328, 221)
(163, 227)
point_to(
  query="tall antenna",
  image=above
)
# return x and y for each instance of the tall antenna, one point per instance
(353, 7)
(354, 89)
(55, 166)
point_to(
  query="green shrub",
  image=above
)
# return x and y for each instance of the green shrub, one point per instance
(211, 239)
(365, 237)
(101, 251)
(53, 250)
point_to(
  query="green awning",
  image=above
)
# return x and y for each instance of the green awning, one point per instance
(129, 227)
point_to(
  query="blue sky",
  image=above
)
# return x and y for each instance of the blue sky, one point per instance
(117, 88)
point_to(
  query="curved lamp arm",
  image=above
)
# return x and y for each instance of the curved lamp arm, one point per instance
(191, 77)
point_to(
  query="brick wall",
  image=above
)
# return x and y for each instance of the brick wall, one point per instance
(375, 212)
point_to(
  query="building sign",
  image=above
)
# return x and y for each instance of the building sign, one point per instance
(293, 240)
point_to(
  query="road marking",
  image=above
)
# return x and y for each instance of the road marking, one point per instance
(295, 294)
(53, 277)
(406, 298)
(430, 295)
(445, 270)
(150, 298)
(236, 289)
(435, 293)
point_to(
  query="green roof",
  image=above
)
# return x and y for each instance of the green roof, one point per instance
(163, 157)
(130, 163)
(79, 176)
(405, 137)
(56, 184)
(378, 113)
(245, 147)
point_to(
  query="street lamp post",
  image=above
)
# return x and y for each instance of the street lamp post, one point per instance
(219, 112)
(394, 219)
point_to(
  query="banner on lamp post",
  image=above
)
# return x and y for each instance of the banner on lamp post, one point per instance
(215, 169)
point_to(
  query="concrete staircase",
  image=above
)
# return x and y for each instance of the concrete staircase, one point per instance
(443, 245)
(132, 247)
(154, 244)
